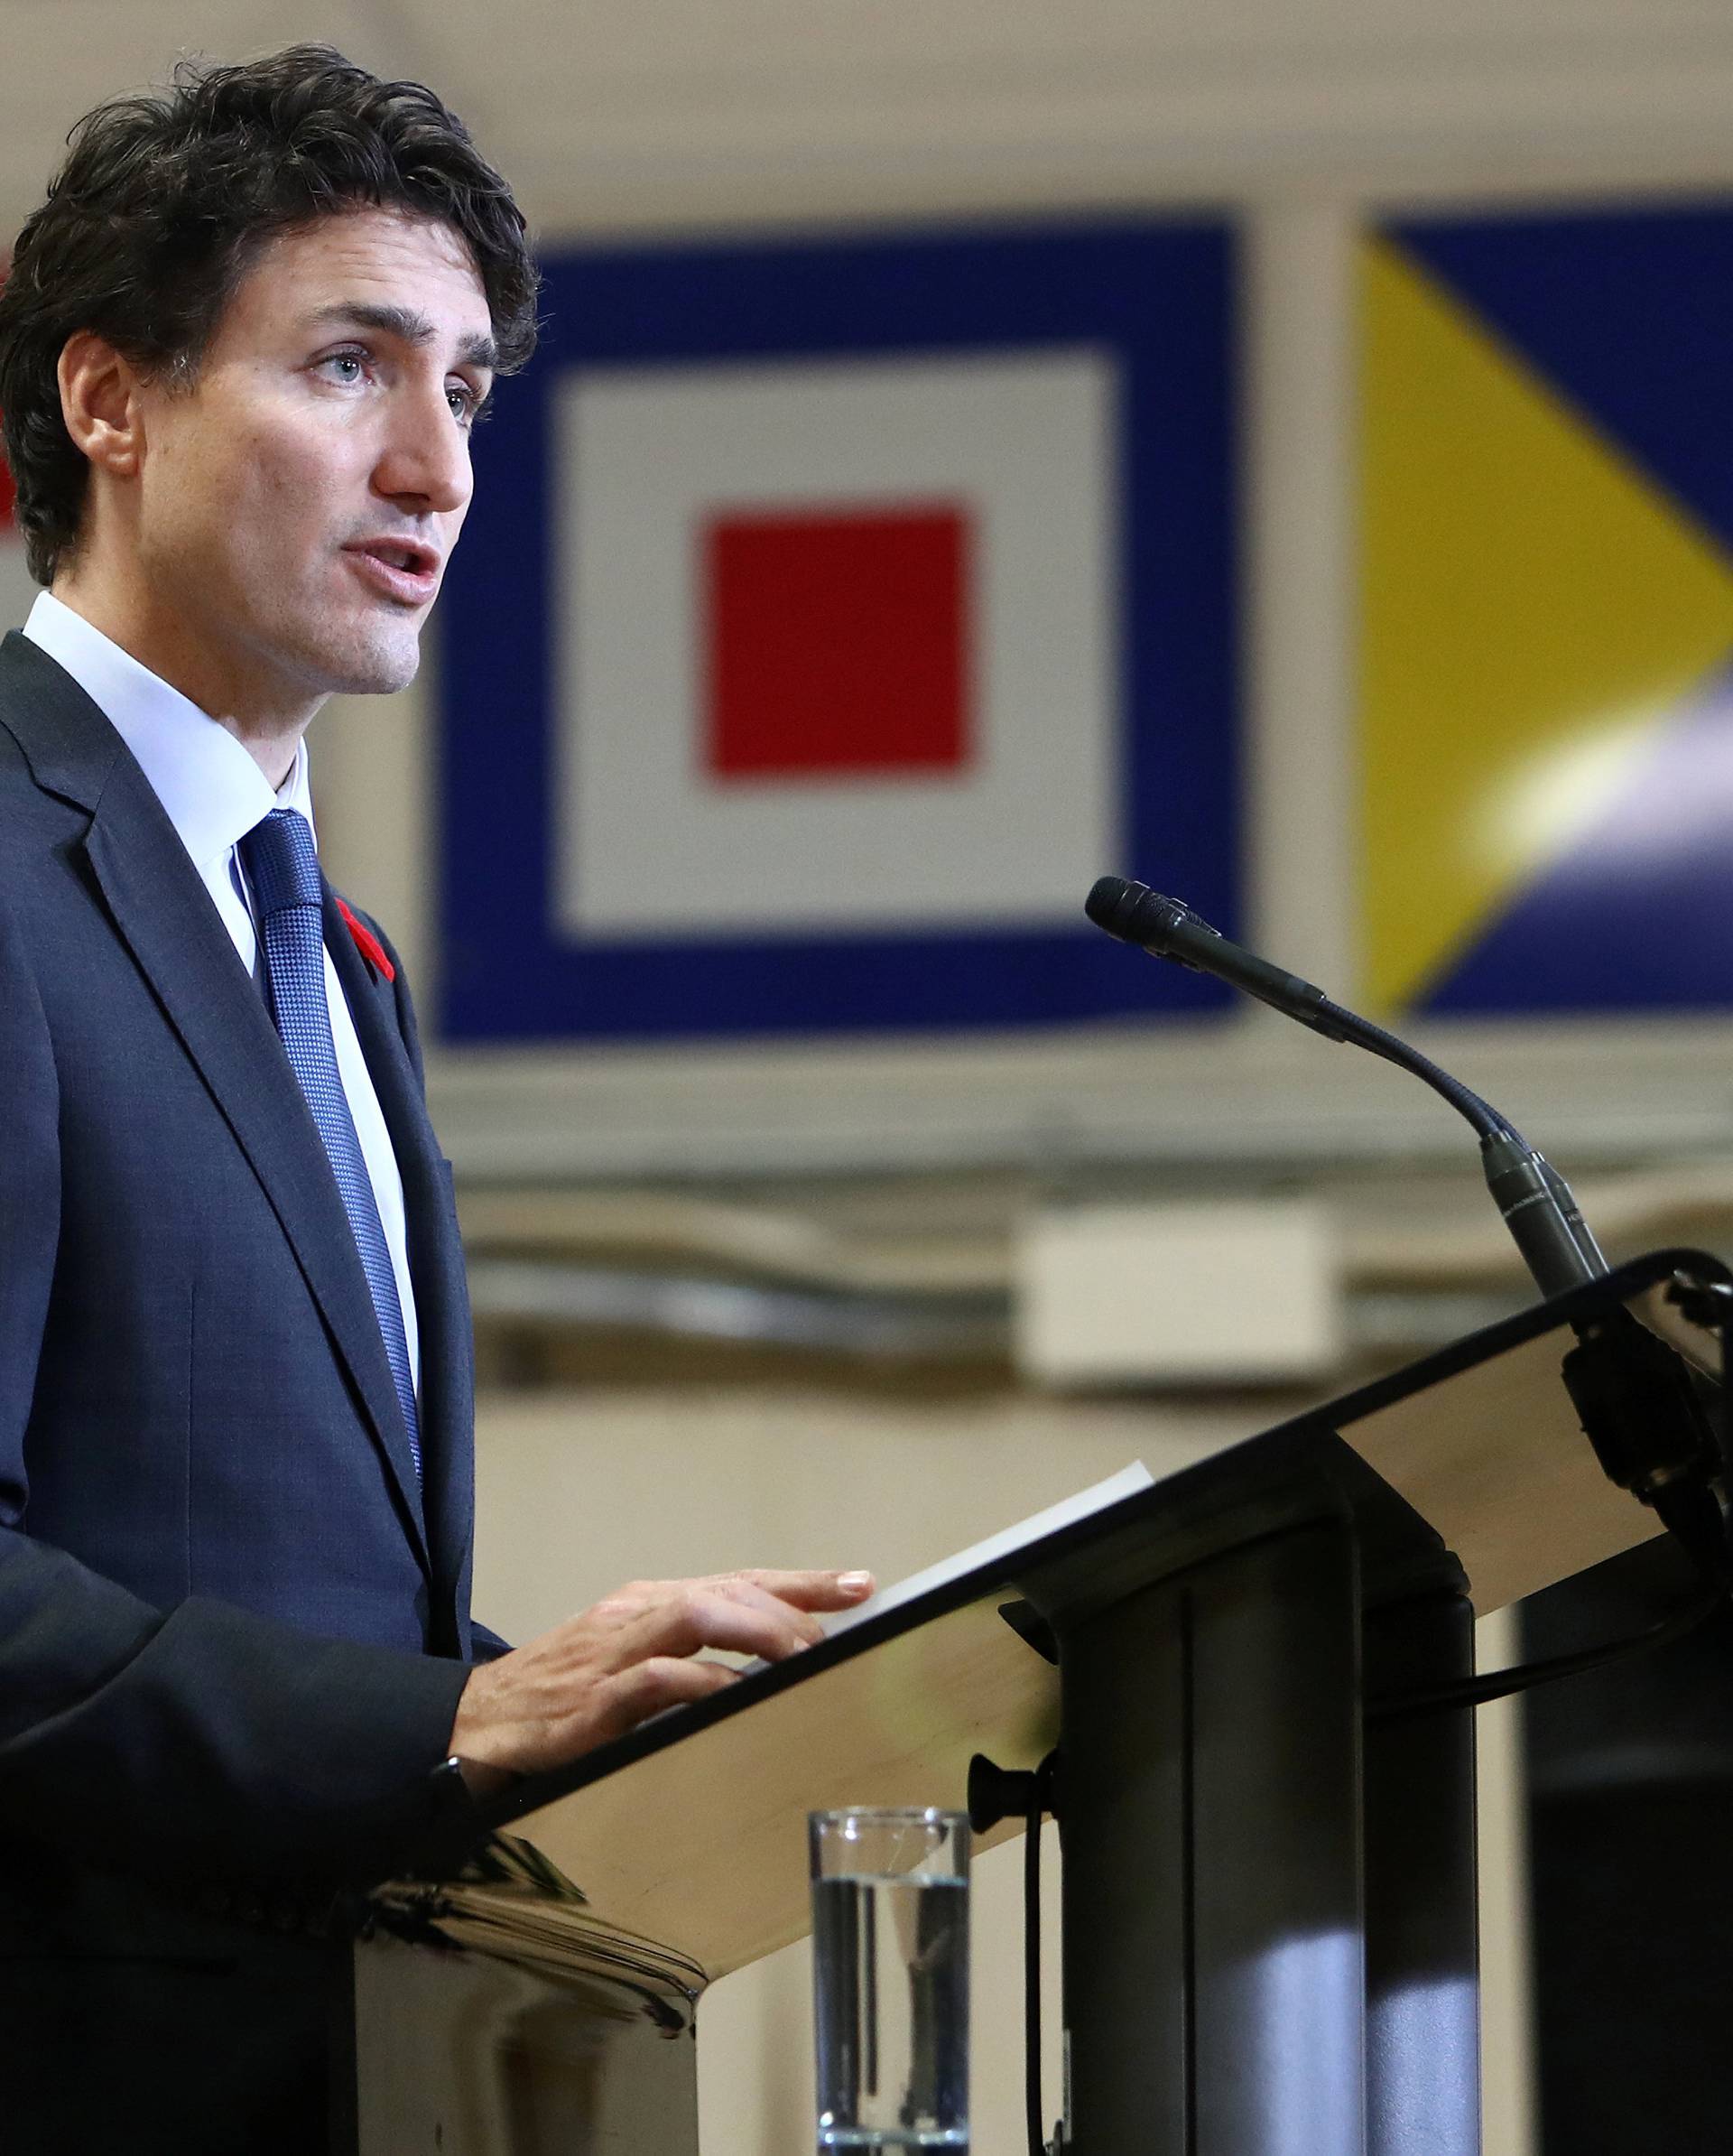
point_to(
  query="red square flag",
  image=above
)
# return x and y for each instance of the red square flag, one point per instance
(836, 641)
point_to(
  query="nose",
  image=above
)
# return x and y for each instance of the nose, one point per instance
(423, 464)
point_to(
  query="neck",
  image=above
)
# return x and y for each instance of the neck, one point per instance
(268, 726)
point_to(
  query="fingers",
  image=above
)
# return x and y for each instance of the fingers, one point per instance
(735, 1616)
(634, 1694)
(630, 1656)
(790, 1596)
(743, 1588)
(812, 1590)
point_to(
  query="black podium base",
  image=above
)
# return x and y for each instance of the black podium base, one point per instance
(1269, 1908)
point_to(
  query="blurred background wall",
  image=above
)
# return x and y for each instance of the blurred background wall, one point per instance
(1278, 450)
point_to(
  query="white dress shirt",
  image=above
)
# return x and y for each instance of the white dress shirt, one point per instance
(214, 794)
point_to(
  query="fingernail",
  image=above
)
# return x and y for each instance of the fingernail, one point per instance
(855, 1582)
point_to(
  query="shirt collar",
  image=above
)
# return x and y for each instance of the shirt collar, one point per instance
(208, 783)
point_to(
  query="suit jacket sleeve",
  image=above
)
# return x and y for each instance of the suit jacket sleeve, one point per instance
(196, 1741)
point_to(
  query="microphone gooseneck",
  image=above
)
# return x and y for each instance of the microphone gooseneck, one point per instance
(1632, 1394)
(1533, 1198)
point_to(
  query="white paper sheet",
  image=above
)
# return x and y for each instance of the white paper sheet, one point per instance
(1096, 1499)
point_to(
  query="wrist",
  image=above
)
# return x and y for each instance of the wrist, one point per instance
(482, 1778)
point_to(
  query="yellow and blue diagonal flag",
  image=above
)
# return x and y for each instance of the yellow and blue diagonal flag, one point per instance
(1546, 651)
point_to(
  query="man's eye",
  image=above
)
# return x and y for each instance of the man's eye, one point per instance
(463, 401)
(345, 367)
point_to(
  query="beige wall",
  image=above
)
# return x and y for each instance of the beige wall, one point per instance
(373, 770)
(673, 113)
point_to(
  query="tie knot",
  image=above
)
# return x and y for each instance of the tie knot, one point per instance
(282, 862)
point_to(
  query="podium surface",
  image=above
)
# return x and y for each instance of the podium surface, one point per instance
(689, 1831)
(1480, 1440)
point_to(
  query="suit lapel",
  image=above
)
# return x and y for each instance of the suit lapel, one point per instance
(165, 917)
(435, 1253)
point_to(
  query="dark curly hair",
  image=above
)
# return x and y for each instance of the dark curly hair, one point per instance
(164, 202)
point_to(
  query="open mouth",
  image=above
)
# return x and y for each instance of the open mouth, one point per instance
(401, 569)
(406, 554)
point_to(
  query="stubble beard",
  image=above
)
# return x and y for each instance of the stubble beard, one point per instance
(377, 666)
(358, 656)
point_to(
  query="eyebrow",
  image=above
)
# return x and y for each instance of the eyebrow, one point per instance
(406, 324)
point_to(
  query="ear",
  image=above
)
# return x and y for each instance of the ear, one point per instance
(100, 404)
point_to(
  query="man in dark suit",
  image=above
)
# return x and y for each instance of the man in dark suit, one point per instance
(241, 348)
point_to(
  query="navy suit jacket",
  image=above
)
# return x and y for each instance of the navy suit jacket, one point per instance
(233, 1630)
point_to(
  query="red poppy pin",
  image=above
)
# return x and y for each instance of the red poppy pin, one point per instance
(367, 944)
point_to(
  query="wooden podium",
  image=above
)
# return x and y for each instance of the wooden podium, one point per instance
(1269, 1924)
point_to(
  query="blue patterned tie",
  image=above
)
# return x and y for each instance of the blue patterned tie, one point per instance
(282, 867)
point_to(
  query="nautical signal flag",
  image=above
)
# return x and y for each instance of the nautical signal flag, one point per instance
(1547, 607)
(851, 668)
(829, 617)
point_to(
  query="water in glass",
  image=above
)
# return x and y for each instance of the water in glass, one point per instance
(892, 2013)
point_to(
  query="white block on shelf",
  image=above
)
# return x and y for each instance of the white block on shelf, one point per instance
(1178, 1294)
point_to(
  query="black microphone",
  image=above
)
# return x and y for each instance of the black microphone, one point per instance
(1167, 929)
(1634, 1395)
(1533, 1198)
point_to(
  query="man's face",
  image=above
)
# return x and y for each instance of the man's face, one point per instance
(299, 498)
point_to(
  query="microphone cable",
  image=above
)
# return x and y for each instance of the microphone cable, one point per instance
(1687, 1508)
(1502, 1683)
(997, 1793)
(1040, 1802)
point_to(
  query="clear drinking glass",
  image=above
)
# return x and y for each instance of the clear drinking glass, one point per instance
(890, 1948)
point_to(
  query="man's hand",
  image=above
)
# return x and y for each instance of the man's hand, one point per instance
(603, 1672)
